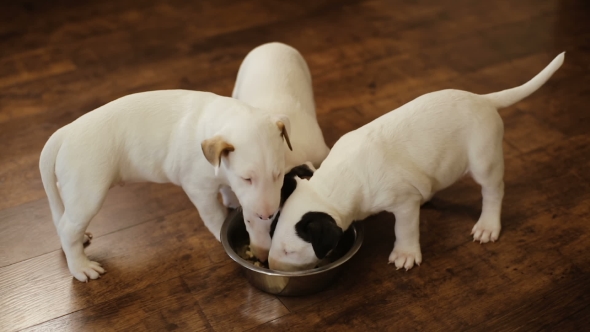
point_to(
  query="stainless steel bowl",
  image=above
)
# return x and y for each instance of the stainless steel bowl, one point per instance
(234, 236)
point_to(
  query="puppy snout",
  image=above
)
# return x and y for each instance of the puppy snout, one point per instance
(260, 253)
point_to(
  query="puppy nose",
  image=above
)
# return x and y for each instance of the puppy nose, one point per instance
(260, 253)
(265, 217)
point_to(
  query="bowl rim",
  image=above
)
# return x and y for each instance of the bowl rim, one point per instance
(358, 241)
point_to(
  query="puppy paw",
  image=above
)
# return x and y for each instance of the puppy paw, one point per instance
(86, 270)
(405, 257)
(87, 238)
(485, 232)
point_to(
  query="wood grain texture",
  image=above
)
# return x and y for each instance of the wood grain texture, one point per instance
(59, 60)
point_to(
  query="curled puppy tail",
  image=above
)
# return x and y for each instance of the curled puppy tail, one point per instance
(509, 97)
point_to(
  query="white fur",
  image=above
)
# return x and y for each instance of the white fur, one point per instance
(156, 136)
(275, 77)
(398, 161)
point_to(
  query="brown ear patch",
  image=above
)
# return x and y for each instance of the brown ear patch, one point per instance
(215, 148)
(284, 134)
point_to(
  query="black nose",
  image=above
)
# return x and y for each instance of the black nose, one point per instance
(265, 218)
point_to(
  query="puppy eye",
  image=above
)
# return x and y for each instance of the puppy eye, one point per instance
(249, 180)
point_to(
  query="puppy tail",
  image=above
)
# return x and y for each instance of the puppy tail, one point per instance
(508, 97)
(47, 168)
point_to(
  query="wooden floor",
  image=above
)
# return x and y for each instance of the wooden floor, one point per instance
(60, 59)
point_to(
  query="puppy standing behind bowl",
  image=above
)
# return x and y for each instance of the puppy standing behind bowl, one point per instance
(197, 140)
(395, 163)
(275, 77)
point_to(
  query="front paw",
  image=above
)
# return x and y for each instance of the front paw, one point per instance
(86, 269)
(485, 232)
(405, 257)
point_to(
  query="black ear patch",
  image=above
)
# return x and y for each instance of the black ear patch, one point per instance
(321, 230)
(289, 183)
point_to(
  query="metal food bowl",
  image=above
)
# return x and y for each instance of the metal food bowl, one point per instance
(234, 236)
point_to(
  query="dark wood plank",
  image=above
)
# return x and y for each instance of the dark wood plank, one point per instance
(165, 306)
(124, 207)
(41, 288)
(229, 302)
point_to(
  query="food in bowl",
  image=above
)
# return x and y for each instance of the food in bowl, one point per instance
(247, 255)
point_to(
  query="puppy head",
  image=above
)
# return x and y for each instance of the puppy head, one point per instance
(305, 233)
(260, 231)
(250, 153)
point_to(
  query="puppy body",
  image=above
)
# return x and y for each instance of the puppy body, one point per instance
(178, 136)
(396, 163)
(275, 77)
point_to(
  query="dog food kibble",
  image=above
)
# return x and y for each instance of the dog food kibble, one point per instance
(247, 255)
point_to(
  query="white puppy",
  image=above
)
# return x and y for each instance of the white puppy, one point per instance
(396, 163)
(197, 140)
(275, 77)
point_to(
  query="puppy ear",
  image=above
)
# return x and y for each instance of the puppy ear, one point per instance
(321, 230)
(284, 125)
(289, 185)
(291, 179)
(215, 148)
(302, 171)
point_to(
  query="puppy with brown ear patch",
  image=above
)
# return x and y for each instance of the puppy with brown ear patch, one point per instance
(200, 141)
(395, 163)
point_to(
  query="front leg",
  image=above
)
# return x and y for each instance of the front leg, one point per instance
(229, 198)
(212, 212)
(406, 250)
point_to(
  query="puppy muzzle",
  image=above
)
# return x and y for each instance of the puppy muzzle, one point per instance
(260, 253)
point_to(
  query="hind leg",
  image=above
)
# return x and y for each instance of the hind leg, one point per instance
(81, 202)
(489, 173)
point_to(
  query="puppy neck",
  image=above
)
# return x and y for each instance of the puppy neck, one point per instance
(338, 197)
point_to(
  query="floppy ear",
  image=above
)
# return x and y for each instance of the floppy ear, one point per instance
(289, 185)
(284, 125)
(215, 148)
(290, 180)
(321, 230)
(302, 171)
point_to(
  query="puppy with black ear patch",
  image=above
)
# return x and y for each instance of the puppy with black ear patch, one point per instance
(395, 164)
(321, 230)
